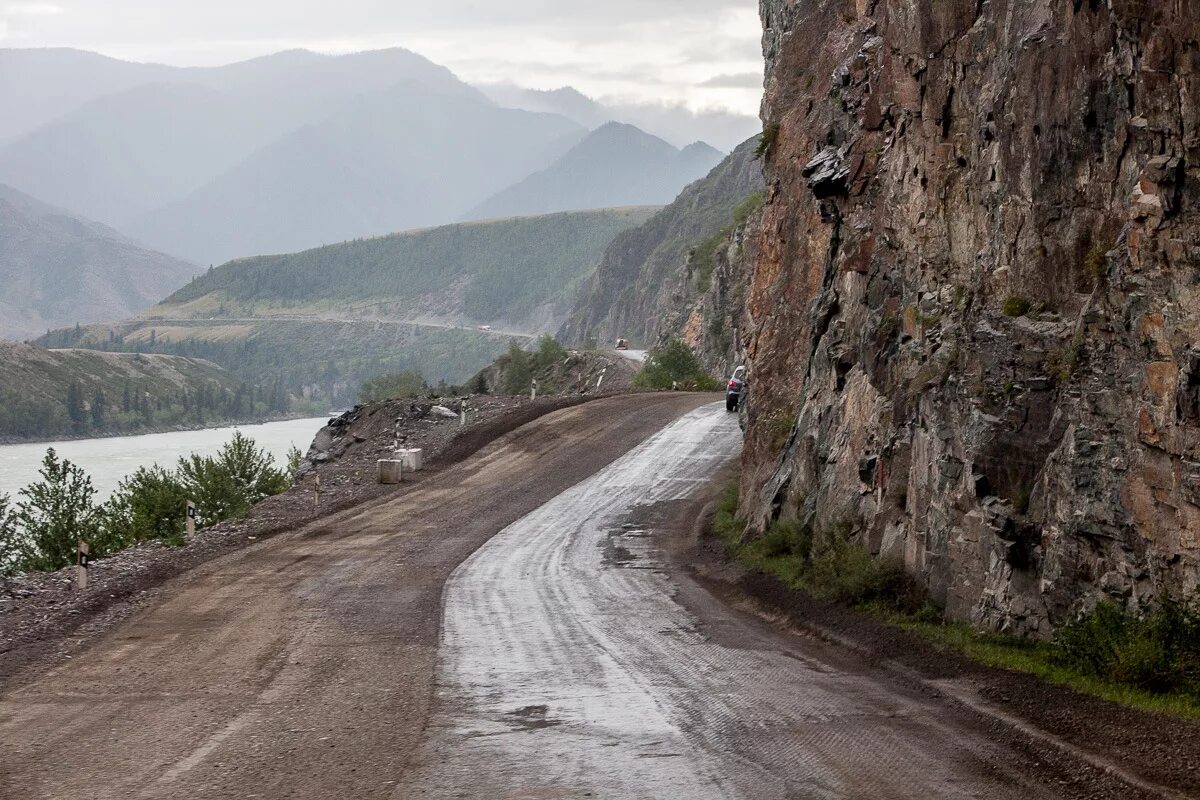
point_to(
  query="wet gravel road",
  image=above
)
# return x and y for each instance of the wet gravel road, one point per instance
(507, 629)
(571, 667)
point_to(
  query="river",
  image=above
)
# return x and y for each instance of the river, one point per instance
(109, 460)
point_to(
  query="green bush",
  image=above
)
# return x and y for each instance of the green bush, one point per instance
(9, 537)
(766, 142)
(518, 370)
(392, 385)
(1158, 651)
(53, 514)
(828, 564)
(674, 365)
(149, 504)
(1017, 306)
(751, 204)
(227, 486)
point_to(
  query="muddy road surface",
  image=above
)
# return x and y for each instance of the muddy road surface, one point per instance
(510, 629)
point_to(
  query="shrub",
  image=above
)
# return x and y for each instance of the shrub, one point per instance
(748, 207)
(674, 365)
(766, 142)
(1017, 306)
(518, 370)
(227, 486)
(54, 513)
(1096, 263)
(149, 504)
(392, 385)
(1158, 650)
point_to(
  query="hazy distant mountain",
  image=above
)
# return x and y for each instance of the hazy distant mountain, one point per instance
(403, 159)
(616, 165)
(274, 154)
(58, 269)
(675, 124)
(39, 85)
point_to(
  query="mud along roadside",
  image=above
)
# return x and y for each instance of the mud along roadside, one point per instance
(1089, 747)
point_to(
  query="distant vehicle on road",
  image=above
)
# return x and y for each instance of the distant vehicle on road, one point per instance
(735, 390)
(484, 327)
(622, 344)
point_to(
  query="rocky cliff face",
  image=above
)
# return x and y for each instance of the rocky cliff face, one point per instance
(974, 294)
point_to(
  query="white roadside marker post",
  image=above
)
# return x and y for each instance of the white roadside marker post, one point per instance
(533, 390)
(462, 415)
(81, 569)
(190, 512)
(317, 494)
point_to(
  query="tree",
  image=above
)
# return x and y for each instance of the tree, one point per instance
(518, 372)
(75, 408)
(55, 512)
(227, 486)
(10, 538)
(480, 384)
(149, 504)
(99, 406)
(549, 353)
(674, 364)
(294, 459)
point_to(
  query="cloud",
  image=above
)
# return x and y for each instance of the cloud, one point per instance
(33, 10)
(742, 80)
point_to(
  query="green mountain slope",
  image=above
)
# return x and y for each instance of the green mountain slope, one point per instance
(322, 322)
(514, 271)
(51, 393)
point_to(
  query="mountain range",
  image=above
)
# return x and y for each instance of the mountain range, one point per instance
(59, 269)
(294, 150)
(616, 165)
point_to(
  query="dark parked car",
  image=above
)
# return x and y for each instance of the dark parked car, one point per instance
(735, 391)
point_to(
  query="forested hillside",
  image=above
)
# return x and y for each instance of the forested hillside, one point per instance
(515, 270)
(52, 393)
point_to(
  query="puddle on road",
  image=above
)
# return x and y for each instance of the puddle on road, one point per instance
(533, 718)
(616, 552)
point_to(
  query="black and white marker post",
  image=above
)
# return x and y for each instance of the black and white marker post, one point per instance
(191, 519)
(81, 568)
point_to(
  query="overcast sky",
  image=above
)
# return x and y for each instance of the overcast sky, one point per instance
(704, 53)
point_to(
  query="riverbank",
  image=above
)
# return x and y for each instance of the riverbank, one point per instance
(151, 430)
(107, 460)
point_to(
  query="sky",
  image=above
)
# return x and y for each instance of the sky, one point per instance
(704, 54)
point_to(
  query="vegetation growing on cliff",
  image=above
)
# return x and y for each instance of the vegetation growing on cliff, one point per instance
(1147, 659)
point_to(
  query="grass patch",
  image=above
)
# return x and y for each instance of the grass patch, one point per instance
(826, 564)
(1149, 661)
(1043, 661)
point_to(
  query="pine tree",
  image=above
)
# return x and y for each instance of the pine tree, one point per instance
(99, 402)
(75, 408)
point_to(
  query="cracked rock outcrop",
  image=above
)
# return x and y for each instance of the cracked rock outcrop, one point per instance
(975, 295)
